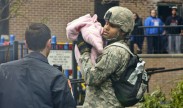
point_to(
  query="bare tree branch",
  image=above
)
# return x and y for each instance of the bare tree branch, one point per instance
(5, 6)
(15, 6)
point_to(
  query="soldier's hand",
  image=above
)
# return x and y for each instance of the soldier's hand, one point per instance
(82, 45)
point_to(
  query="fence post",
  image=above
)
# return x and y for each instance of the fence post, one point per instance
(12, 39)
(74, 72)
(53, 42)
(2, 40)
(15, 50)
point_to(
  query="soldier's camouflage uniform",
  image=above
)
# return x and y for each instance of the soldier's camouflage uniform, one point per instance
(99, 92)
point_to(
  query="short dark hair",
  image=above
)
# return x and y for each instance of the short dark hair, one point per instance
(153, 10)
(36, 36)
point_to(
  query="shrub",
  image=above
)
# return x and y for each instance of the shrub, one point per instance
(157, 99)
(154, 100)
(177, 96)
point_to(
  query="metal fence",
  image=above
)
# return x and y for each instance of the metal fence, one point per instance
(158, 42)
(9, 52)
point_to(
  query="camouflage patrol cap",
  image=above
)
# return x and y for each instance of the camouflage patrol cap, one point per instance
(120, 16)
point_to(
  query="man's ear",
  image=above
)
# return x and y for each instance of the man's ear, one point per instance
(48, 44)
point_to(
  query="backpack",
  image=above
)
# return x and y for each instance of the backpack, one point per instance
(132, 84)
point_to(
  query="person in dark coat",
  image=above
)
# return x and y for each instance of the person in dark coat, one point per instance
(137, 37)
(31, 82)
(174, 33)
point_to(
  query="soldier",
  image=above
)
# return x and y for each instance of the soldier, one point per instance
(114, 59)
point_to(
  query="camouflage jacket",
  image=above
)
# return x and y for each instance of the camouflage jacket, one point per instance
(99, 91)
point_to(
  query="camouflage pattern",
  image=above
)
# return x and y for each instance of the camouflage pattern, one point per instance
(99, 91)
(121, 16)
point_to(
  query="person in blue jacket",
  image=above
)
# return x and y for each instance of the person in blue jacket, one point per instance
(31, 82)
(153, 33)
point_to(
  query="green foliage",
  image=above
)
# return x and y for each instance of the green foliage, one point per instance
(15, 6)
(154, 100)
(177, 96)
(12, 6)
(157, 99)
(15, 9)
(45, 20)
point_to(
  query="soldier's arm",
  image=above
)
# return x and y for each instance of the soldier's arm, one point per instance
(107, 63)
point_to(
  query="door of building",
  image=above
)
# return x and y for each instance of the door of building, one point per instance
(101, 8)
(164, 10)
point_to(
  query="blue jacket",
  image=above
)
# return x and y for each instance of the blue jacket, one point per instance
(32, 83)
(153, 21)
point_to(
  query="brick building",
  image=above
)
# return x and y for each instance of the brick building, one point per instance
(57, 13)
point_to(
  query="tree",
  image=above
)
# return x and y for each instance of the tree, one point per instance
(9, 9)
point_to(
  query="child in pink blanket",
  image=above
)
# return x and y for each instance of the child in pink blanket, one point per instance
(91, 31)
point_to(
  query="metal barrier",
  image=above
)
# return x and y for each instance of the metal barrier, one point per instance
(151, 71)
(22, 49)
(160, 41)
(9, 52)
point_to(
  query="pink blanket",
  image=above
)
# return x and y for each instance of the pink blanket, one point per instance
(91, 31)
